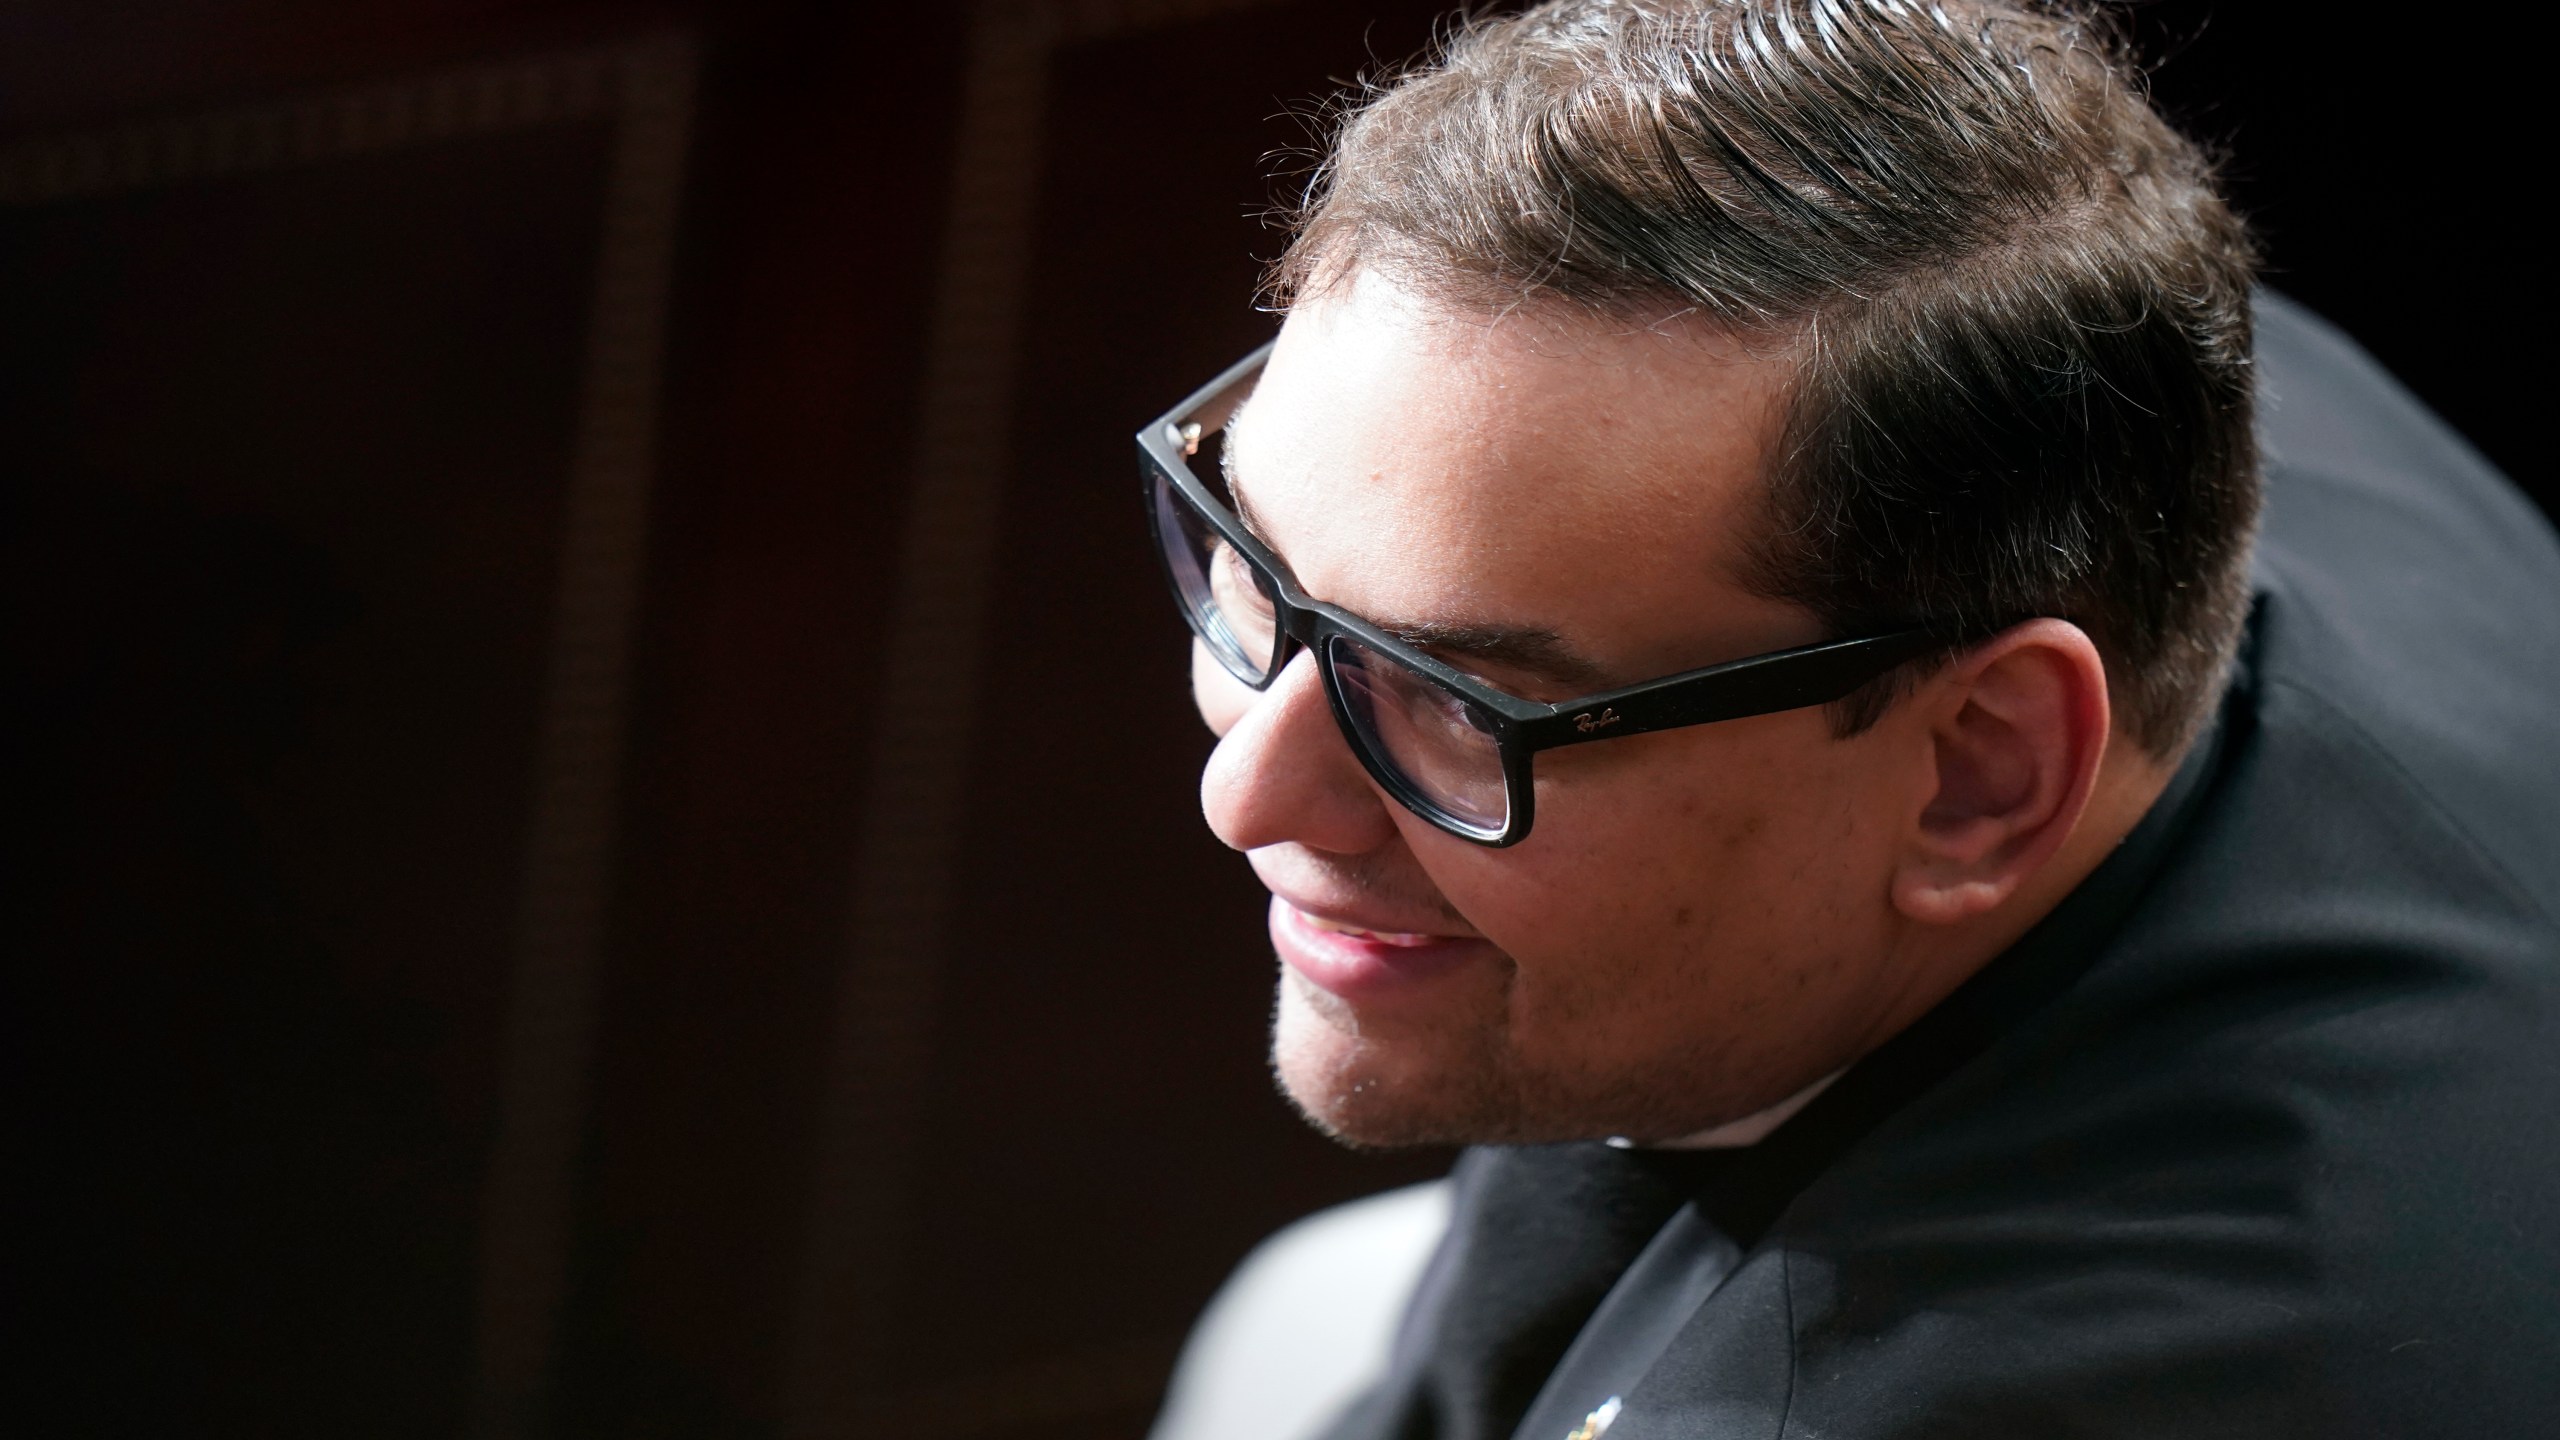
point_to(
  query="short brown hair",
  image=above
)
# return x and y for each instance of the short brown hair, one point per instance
(2021, 308)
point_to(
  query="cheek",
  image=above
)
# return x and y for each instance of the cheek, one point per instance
(1713, 866)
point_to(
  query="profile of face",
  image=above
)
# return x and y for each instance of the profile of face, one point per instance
(1703, 920)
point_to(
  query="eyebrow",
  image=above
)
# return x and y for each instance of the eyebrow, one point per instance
(1530, 650)
(1538, 653)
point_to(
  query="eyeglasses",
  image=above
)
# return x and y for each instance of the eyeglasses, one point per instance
(1449, 747)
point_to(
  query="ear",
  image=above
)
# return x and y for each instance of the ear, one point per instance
(2017, 727)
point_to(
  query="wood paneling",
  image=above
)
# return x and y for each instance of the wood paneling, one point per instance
(287, 449)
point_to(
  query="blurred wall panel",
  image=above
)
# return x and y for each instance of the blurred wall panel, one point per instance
(1092, 1131)
(290, 417)
(364, 374)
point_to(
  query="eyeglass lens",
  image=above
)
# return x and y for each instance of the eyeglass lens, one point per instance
(1438, 744)
(1225, 600)
(1434, 743)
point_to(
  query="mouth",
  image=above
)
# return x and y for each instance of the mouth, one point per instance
(1406, 938)
(1365, 962)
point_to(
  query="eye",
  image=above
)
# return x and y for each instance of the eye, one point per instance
(1462, 715)
(1453, 713)
(1232, 584)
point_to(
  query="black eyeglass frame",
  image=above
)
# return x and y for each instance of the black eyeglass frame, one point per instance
(1733, 690)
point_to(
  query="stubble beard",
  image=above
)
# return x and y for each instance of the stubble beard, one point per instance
(1467, 1087)
(1355, 1090)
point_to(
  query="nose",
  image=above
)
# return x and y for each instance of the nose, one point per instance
(1284, 773)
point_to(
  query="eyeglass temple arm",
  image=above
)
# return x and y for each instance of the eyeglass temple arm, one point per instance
(1761, 685)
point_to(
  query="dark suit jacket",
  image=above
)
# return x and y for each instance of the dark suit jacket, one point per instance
(2258, 1135)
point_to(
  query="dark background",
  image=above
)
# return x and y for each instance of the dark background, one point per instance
(284, 472)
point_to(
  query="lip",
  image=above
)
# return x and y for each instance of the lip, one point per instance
(1364, 965)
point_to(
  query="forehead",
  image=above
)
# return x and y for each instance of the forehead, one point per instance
(1588, 478)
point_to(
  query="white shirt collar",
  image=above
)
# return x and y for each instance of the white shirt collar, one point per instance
(1749, 1130)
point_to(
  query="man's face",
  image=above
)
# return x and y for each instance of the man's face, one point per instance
(1699, 923)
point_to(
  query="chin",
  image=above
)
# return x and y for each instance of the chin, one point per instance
(1463, 1085)
(1370, 1091)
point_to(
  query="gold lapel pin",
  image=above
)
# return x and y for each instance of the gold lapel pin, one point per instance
(1595, 1424)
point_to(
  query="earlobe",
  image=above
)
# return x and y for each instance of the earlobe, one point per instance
(2017, 729)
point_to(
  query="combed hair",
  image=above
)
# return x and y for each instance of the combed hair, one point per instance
(2020, 308)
